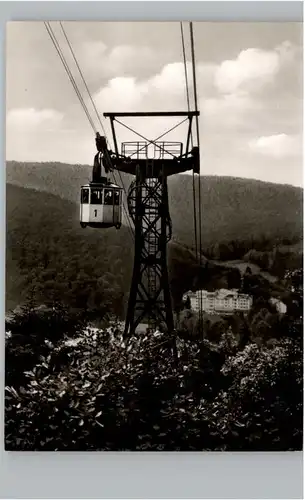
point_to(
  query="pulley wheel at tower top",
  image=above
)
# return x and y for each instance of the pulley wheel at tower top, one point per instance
(151, 199)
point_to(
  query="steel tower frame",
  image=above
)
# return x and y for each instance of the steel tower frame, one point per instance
(150, 297)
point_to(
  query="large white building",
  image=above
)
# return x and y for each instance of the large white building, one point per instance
(219, 302)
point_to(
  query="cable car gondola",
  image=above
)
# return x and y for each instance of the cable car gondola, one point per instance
(101, 205)
(101, 200)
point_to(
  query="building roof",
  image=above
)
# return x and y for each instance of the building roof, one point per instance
(222, 293)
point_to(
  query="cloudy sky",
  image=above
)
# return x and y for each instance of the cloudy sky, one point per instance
(249, 85)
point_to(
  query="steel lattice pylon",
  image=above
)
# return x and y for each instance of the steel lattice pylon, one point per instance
(149, 299)
(151, 162)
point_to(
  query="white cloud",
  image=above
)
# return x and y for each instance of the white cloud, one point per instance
(26, 118)
(28, 134)
(171, 79)
(92, 52)
(238, 112)
(234, 104)
(164, 91)
(288, 52)
(127, 57)
(122, 60)
(121, 93)
(228, 110)
(252, 67)
(277, 146)
(223, 89)
(243, 100)
(128, 93)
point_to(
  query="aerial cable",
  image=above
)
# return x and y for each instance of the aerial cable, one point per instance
(188, 107)
(197, 130)
(198, 144)
(82, 76)
(64, 62)
(59, 51)
(194, 81)
(124, 208)
(185, 67)
(97, 114)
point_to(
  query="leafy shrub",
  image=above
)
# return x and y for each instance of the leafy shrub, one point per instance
(262, 408)
(32, 333)
(104, 395)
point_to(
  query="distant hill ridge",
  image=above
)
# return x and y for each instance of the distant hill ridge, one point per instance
(47, 249)
(48, 254)
(40, 175)
(232, 208)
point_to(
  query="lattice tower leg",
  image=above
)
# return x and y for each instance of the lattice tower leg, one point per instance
(150, 299)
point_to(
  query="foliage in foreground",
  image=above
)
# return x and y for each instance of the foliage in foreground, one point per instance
(96, 393)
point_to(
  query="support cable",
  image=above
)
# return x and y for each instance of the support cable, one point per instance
(96, 111)
(56, 44)
(185, 69)
(101, 123)
(197, 130)
(64, 62)
(82, 76)
(198, 144)
(188, 106)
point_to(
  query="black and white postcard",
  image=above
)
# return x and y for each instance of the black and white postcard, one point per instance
(154, 238)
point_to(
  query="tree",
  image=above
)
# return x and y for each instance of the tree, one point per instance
(262, 408)
(99, 394)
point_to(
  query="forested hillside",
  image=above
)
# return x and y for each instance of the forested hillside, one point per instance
(233, 210)
(236, 210)
(237, 385)
(50, 257)
(61, 179)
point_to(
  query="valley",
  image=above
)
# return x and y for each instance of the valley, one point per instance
(49, 255)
